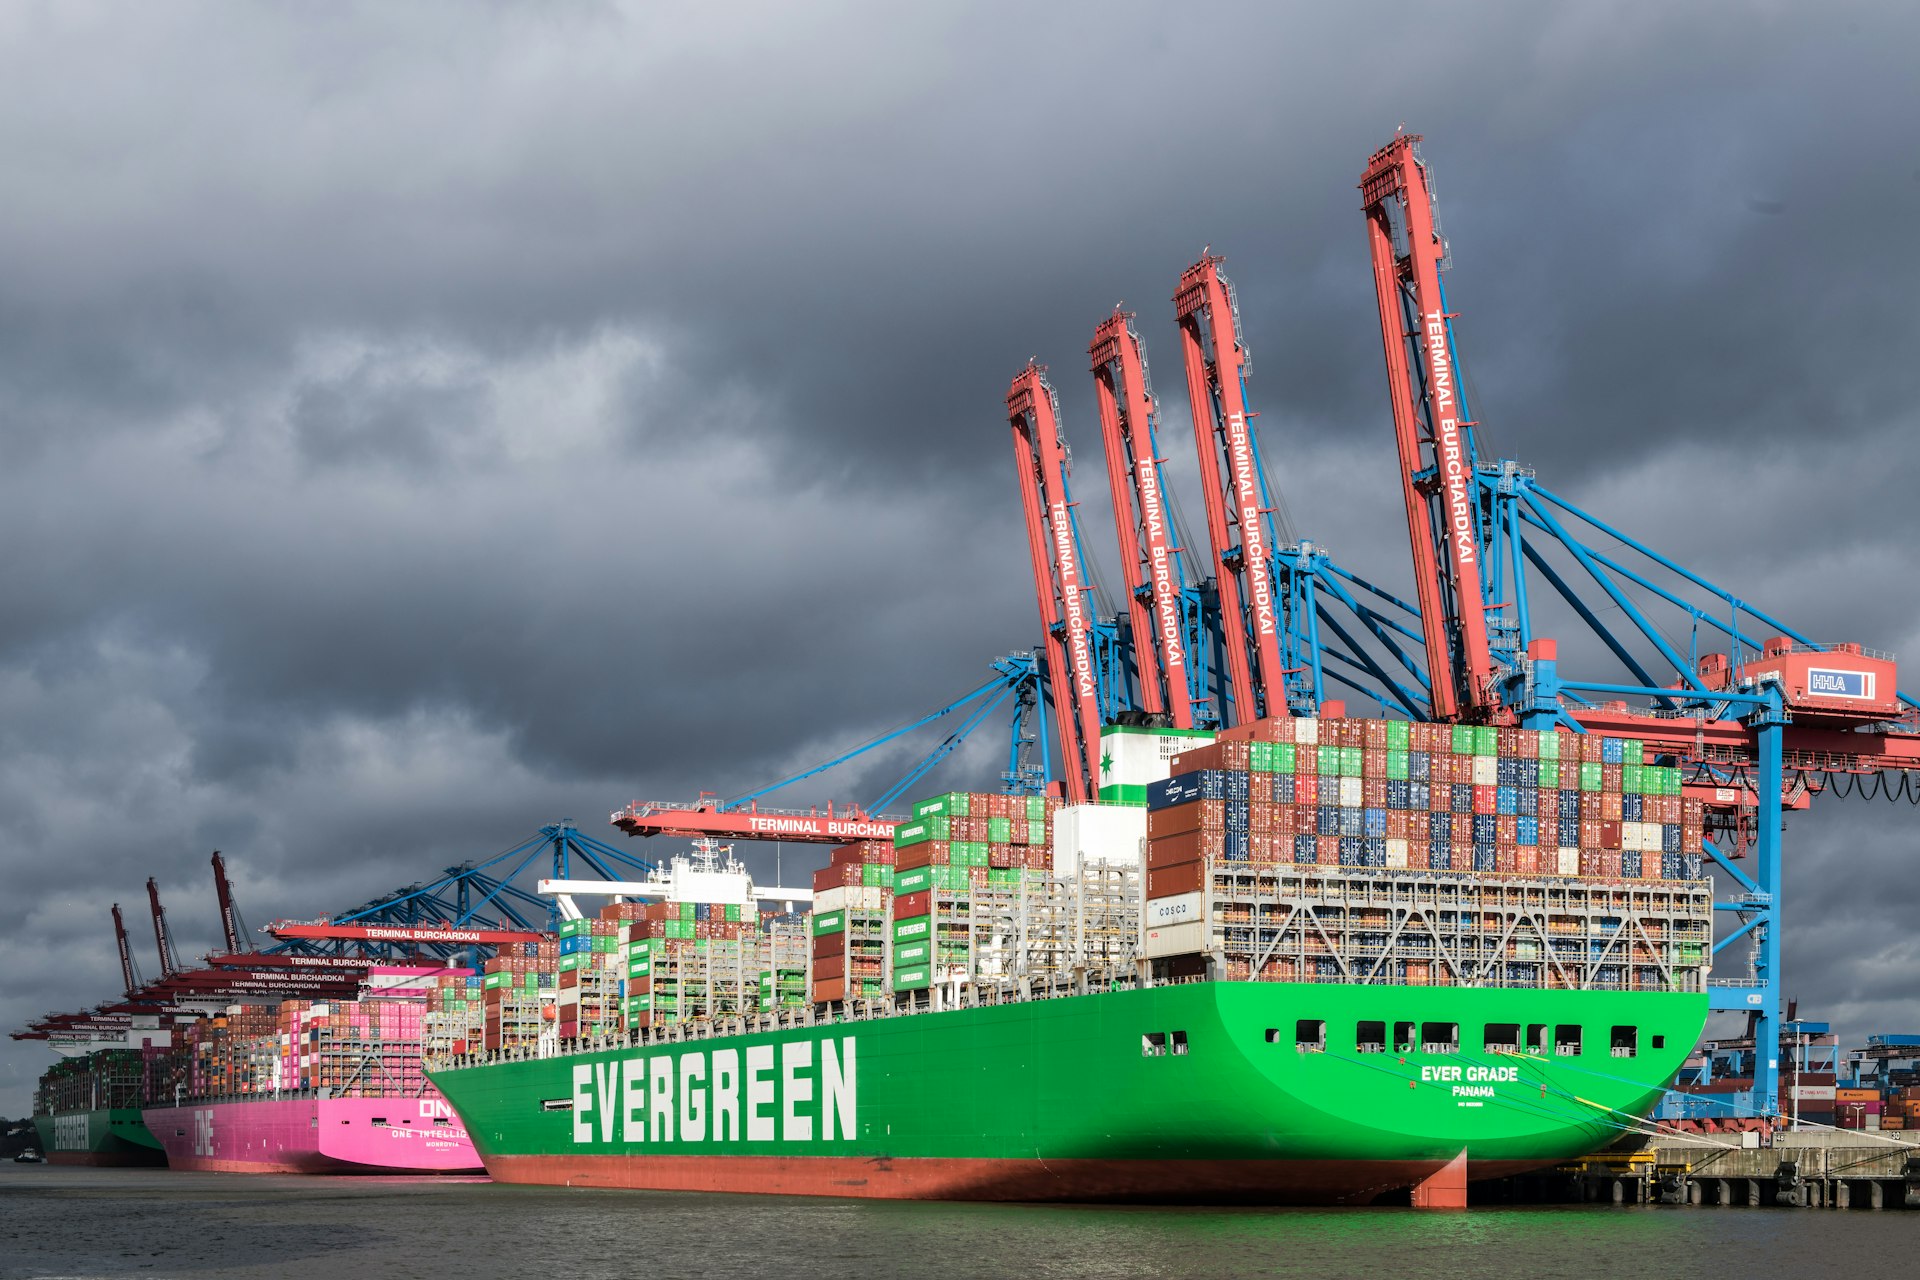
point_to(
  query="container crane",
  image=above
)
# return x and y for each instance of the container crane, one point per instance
(129, 975)
(162, 939)
(232, 927)
(1164, 599)
(1768, 723)
(1067, 613)
(1433, 435)
(1238, 526)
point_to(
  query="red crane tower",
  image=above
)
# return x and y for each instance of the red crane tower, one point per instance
(169, 958)
(1140, 515)
(229, 913)
(1066, 607)
(129, 979)
(1431, 431)
(1216, 362)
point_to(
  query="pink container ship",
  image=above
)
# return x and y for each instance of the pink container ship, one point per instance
(315, 1135)
(305, 1087)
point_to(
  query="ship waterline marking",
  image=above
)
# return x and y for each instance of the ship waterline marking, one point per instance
(761, 1093)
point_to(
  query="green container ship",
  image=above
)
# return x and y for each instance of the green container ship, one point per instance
(1217, 1092)
(1270, 983)
(87, 1111)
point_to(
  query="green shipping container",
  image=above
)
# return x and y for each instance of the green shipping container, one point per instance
(1549, 744)
(1396, 762)
(1399, 735)
(1328, 765)
(1260, 757)
(492, 980)
(1549, 775)
(575, 961)
(1352, 759)
(999, 830)
(639, 968)
(1284, 755)
(913, 929)
(1589, 777)
(918, 978)
(1036, 808)
(1486, 740)
(686, 912)
(1633, 751)
(914, 880)
(829, 922)
(912, 953)
(876, 875)
(954, 804)
(1631, 780)
(733, 912)
(1463, 739)
(574, 928)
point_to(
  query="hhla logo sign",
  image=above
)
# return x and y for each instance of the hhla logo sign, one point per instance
(763, 1093)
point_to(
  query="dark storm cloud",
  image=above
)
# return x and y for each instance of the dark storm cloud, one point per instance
(420, 424)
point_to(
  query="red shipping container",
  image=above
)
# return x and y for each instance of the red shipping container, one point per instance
(1286, 819)
(1486, 799)
(1373, 736)
(1548, 807)
(1165, 882)
(1373, 792)
(1200, 815)
(1420, 827)
(1306, 763)
(1609, 835)
(829, 992)
(1506, 829)
(1186, 846)
(845, 853)
(1505, 860)
(908, 905)
(830, 967)
(1590, 750)
(1329, 848)
(1399, 823)
(1373, 763)
(1527, 860)
(1306, 790)
(827, 944)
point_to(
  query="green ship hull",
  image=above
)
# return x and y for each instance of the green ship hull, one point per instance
(1188, 1092)
(100, 1136)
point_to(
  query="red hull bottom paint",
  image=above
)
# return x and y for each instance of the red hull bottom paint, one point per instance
(1265, 1182)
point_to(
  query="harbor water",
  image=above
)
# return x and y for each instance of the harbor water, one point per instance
(57, 1221)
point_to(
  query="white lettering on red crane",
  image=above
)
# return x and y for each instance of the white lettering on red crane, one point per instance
(1451, 451)
(1160, 565)
(1253, 548)
(1068, 568)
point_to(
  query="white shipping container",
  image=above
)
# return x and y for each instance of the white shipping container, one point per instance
(1350, 793)
(1176, 940)
(834, 899)
(1396, 852)
(1569, 861)
(1179, 909)
(1112, 835)
(1486, 771)
(1306, 730)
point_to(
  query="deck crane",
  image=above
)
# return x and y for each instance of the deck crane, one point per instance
(129, 973)
(1238, 509)
(162, 939)
(1434, 437)
(1759, 716)
(1067, 611)
(1163, 593)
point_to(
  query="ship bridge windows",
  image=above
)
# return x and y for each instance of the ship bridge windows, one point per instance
(1439, 1037)
(1625, 1042)
(1566, 1040)
(1370, 1037)
(1501, 1037)
(1310, 1035)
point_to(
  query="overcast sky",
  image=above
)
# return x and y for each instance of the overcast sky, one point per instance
(419, 423)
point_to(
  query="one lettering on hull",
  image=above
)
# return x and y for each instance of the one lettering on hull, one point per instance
(797, 1091)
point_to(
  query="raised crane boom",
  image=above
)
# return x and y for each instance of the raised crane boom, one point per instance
(1215, 357)
(230, 923)
(1149, 555)
(1431, 430)
(129, 976)
(162, 939)
(1066, 607)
